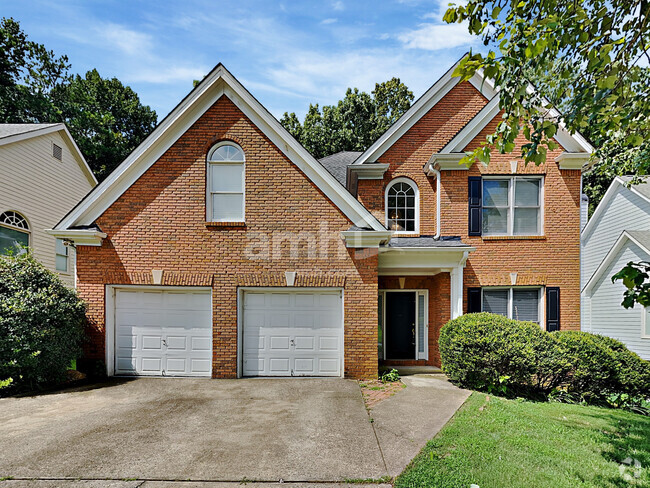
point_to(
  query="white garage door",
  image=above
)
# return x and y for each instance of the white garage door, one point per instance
(289, 333)
(163, 332)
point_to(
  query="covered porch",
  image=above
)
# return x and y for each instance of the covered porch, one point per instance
(420, 289)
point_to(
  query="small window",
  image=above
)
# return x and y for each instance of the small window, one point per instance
(61, 256)
(645, 323)
(402, 206)
(512, 206)
(57, 152)
(14, 233)
(226, 180)
(515, 303)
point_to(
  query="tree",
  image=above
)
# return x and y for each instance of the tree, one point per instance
(105, 117)
(582, 57)
(28, 73)
(354, 123)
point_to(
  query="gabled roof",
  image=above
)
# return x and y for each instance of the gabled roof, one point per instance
(11, 133)
(639, 237)
(641, 189)
(572, 143)
(219, 82)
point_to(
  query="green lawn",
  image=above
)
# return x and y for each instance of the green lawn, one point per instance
(500, 443)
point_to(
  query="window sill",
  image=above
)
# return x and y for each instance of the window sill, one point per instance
(210, 225)
(514, 238)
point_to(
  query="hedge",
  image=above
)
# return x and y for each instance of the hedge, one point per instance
(493, 353)
(41, 322)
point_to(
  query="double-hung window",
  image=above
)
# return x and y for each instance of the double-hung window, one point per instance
(61, 256)
(515, 303)
(225, 185)
(512, 206)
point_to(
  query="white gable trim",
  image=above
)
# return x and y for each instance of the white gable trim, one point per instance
(609, 258)
(617, 183)
(76, 152)
(427, 101)
(217, 83)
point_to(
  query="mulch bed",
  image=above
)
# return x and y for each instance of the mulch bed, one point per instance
(374, 391)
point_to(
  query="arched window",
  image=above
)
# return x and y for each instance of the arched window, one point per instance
(14, 233)
(226, 180)
(402, 206)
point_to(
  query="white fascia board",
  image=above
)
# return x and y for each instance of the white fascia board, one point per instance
(365, 238)
(609, 258)
(426, 259)
(473, 127)
(601, 208)
(430, 98)
(218, 83)
(569, 160)
(374, 171)
(32, 133)
(80, 237)
(445, 162)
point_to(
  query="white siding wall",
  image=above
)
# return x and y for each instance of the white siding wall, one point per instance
(626, 211)
(42, 189)
(607, 316)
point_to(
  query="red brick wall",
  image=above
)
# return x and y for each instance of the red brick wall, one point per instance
(159, 223)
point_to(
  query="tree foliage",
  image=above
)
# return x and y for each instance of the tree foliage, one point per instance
(354, 123)
(583, 57)
(105, 117)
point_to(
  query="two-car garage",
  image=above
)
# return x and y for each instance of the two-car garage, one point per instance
(163, 331)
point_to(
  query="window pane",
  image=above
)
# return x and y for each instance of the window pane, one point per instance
(495, 193)
(495, 221)
(61, 263)
(227, 153)
(526, 221)
(527, 192)
(227, 177)
(496, 301)
(646, 332)
(228, 207)
(61, 248)
(10, 238)
(380, 331)
(421, 324)
(525, 305)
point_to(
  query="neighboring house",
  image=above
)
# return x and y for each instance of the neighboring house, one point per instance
(43, 175)
(220, 247)
(618, 232)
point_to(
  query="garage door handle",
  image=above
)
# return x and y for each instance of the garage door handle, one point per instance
(164, 342)
(291, 342)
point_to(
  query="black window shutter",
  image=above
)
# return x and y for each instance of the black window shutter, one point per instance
(473, 300)
(552, 308)
(475, 190)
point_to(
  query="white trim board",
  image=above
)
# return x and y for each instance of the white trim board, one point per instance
(219, 82)
(67, 137)
(609, 258)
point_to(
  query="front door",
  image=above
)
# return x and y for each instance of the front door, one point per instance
(400, 325)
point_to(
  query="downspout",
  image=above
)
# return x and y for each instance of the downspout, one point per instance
(437, 173)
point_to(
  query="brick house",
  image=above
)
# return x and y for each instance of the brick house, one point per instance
(220, 247)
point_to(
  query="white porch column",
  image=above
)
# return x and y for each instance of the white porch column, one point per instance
(456, 274)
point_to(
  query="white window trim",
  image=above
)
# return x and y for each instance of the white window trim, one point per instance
(511, 205)
(540, 305)
(67, 257)
(645, 333)
(412, 184)
(418, 355)
(208, 194)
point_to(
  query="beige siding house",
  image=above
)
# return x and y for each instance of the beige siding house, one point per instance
(43, 175)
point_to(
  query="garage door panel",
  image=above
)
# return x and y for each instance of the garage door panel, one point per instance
(285, 334)
(160, 332)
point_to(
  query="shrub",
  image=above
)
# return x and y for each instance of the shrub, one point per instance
(41, 323)
(489, 352)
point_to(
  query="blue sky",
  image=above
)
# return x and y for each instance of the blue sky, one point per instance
(287, 53)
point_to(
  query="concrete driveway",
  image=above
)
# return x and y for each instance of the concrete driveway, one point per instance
(298, 430)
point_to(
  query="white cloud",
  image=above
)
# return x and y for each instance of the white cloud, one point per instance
(126, 40)
(160, 72)
(338, 5)
(328, 21)
(433, 37)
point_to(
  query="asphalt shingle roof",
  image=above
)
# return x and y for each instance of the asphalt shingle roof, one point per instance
(337, 164)
(7, 130)
(642, 236)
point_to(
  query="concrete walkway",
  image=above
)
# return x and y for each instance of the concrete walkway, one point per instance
(155, 432)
